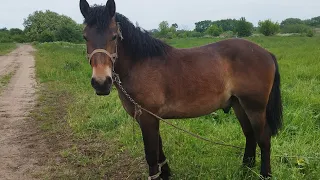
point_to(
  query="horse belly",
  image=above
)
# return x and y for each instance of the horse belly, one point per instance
(200, 106)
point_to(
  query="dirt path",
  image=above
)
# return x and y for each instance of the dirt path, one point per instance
(17, 138)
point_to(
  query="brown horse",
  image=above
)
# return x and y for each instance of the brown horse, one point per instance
(184, 83)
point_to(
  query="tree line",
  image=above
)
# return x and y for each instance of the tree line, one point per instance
(239, 28)
(44, 26)
(48, 26)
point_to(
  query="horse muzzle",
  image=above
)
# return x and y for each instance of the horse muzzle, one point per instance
(102, 88)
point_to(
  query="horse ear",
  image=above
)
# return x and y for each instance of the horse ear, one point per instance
(84, 8)
(111, 7)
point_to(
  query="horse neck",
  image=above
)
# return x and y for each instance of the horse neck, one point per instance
(124, 62)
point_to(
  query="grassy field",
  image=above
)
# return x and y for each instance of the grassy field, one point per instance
(6, 48)
(101, 140)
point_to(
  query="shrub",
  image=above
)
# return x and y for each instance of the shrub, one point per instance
(68, 33)
(268, 28)
(214, 30)
(5, 37)
(244, 28)
(44, 26)
(310, 33)
(195, 34)
(295, 28)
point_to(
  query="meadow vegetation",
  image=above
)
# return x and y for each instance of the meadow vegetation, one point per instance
(114, 143)
(6, 48)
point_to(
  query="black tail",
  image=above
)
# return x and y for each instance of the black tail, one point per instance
(274, 107)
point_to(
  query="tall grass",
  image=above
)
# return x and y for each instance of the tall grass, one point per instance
(6, 48)
(64, 66)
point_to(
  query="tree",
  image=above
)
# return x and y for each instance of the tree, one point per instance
(43, 26)
(5, 36)
(68, 33)
(15, 31)
(313, 21)
(175, 25)
(289, 21)
(295, 28)
(268, 28)
(226, 24)
(244, 28)
(214, 30)
(163, 28)
(202, 26)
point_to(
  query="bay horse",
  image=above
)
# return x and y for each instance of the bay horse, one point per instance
(183, 83)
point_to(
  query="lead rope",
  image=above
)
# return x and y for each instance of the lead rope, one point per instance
(140, 108)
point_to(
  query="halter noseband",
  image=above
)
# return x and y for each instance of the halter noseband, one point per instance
(113, 56)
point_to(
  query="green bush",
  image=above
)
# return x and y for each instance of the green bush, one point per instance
(195, 34)
(44, 26)
(268, 28)
(214, 30)
(295, 28)
(227, 34)
(244, 28)
(310, 33)
(5, 37)
(19, 38)
(68, 33)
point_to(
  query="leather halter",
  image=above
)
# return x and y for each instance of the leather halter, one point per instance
(113, 56)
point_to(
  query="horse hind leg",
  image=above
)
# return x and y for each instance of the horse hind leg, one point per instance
(257, 116)
(249, 157)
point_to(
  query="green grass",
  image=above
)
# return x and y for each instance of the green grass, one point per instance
(4, 80)
(64, 67)
(5, 48)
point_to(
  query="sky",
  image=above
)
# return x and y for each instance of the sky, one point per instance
(149, 13)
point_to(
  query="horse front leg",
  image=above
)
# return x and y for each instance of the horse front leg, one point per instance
(165, 169)
(150, 132)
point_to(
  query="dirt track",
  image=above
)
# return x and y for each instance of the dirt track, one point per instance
(18, 140)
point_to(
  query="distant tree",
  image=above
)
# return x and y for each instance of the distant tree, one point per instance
(173, 28)
(18, 35)
(244, 28)
(15, 31)
(195, 34)
(226, 24)
(154, 32)
(290, 21)
(268, 28)
(214, 30)
(43, 26)
(5, 36)
(68, 33)
(313, 21)
(4, 29)
(175, 25)
(163, 28)
(295, 28)
(202, 26)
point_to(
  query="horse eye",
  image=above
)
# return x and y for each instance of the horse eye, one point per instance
(114, 37)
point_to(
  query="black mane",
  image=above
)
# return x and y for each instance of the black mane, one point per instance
(139, 43)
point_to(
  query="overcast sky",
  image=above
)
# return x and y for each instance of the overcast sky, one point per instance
(149, 13)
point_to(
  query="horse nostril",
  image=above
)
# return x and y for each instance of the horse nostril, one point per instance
(109, 80)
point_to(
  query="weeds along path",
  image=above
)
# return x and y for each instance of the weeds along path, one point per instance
(17, 137)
